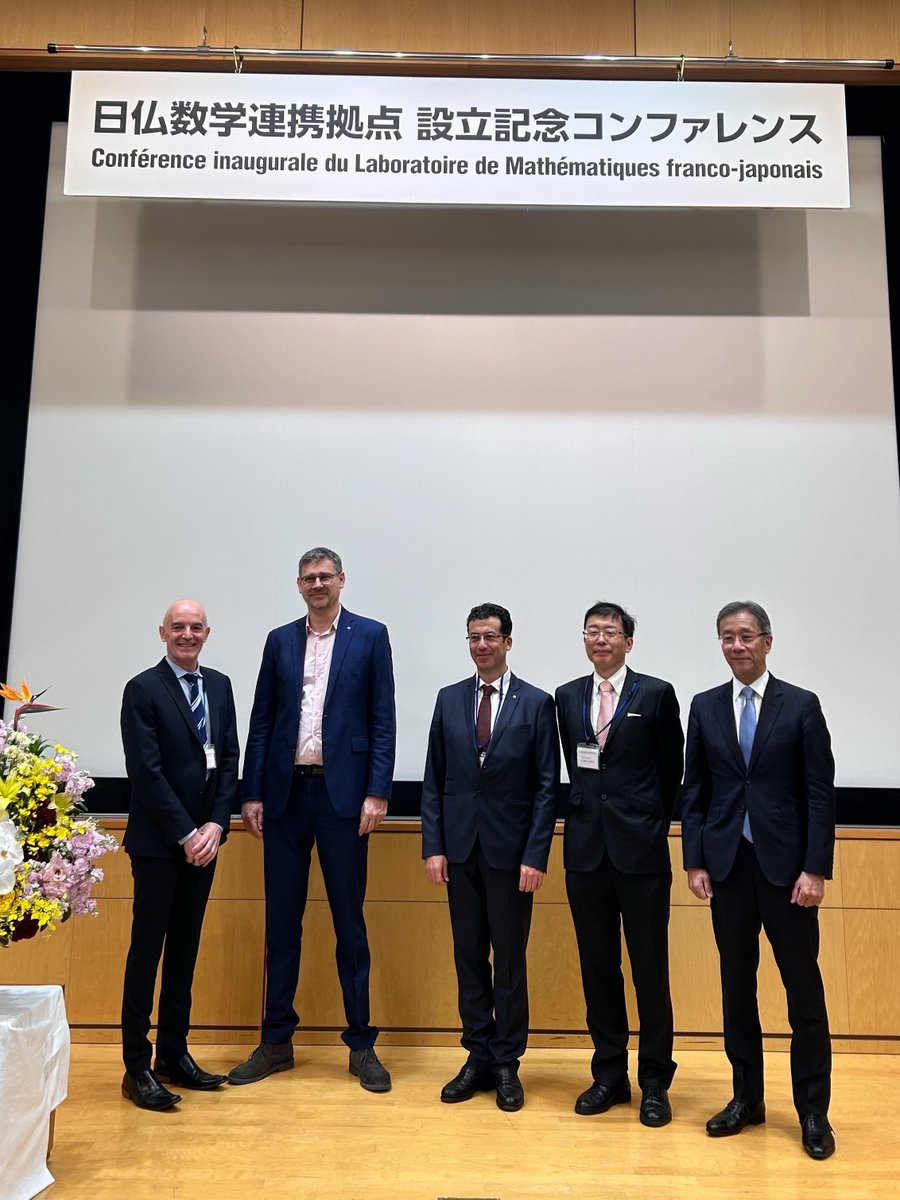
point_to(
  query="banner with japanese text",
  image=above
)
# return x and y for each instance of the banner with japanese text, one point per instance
(381, 140)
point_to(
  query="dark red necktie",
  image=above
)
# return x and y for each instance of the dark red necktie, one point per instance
(483, 723)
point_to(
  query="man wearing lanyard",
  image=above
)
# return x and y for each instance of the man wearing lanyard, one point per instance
(318, 771)
(623, 745)
(181, 756)
(757, 831)
(488, 811)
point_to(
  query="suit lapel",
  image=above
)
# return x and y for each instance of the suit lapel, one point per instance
(173, 686)
(629, 691)
(467, 715)
(298, 660)
(769, 710)
(342, 638)
(504, 716)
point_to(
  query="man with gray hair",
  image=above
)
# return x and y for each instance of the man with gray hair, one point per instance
(318, 770)
(757, 830)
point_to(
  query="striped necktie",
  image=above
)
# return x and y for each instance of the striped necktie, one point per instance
(198, 709)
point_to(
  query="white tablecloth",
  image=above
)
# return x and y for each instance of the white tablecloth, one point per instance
(34, 1071)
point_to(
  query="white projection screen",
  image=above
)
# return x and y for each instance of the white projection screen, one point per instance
(539, 408)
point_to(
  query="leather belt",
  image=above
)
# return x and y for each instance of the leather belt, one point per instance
(308, 769)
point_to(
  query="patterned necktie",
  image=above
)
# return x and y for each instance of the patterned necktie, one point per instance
(745, 737)
(605, 714)
(483, 723)
(198, 709)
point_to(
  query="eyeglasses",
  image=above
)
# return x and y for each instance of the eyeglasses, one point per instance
(474, 638)
(744, 639)
(321, 577)
(593, 634)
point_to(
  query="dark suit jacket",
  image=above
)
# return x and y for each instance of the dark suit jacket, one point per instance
(509, 803)
(358, 722)
(624, 808)
(166, 763)
(788, 788)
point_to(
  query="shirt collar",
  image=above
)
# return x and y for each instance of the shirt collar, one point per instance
(180, 672)
(334, 624)
(758, 685)
(617, 680)
(501, 684)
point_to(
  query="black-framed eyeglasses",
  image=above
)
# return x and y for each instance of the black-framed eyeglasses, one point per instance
(319, 577)
(727, 640)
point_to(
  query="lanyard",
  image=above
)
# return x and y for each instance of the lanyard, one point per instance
(589, 734)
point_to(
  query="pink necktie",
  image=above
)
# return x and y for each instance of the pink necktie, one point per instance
(606, 712)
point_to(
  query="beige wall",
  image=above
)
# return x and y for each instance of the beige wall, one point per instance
(787, 28)
(413, 983)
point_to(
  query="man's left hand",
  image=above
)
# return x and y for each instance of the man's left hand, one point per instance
(203, 847)
(374, 810)
(530, 878)
(809, 890)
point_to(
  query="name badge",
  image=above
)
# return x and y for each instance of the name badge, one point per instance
(587, 756)
(210, 758)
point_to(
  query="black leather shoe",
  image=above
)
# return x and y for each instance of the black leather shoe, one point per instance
(186, 1073)
(734, 1116)
(818, 1136)
(656, 1110)
(510, 1093)
(143, 1089)
(599, 1098)
(264, 1061)
(372, 1075)
(464, 1085)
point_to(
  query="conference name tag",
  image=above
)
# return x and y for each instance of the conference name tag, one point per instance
(210, 758)
(587, 755)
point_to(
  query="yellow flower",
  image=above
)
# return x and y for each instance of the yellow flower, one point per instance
(9, 791)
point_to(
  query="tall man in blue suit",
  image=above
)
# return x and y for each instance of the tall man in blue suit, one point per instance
(623, 745)
(488, 810)
(318, 770)
(757, 827)
(181, 756)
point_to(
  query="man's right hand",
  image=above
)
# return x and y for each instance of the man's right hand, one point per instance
(436, 868)
(700, 883)
(252, 816)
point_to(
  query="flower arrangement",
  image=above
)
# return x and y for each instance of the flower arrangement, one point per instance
(48, 847)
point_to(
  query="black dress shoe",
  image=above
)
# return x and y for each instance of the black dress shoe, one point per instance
(656, 1110)
(734, 1116)
(464, 1086)
(368, 1067)
(510, 1093)
(599, 1098)
(144, 1090)
(818, 1136)
(186, 1073)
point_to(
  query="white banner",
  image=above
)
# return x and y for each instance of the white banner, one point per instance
(381, 140)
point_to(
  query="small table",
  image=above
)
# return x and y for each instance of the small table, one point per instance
(34, 1071)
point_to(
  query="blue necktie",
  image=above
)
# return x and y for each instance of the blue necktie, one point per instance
(198, 709)
(745, 737)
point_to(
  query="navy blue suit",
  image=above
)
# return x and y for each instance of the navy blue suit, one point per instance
(172, 793)
(788, 791)
(358, 736)
(618, 872)
(487, 821)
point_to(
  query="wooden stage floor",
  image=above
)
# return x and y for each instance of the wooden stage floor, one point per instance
(313, 1134)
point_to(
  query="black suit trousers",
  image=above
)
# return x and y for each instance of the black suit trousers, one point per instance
(170, 898)
(743, 903)
(604, 902)
(489, 913)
